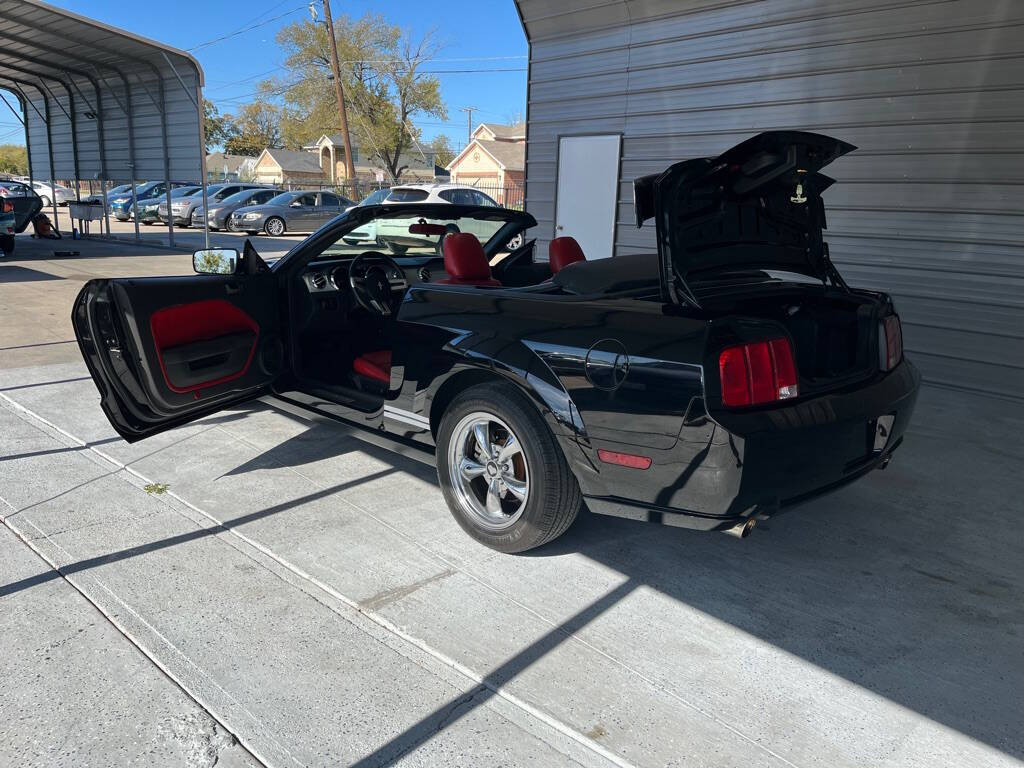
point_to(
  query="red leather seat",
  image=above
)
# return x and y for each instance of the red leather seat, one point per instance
(374, 365)
(465, 262)
(563, 251)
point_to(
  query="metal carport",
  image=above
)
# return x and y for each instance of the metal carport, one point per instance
(99, 103)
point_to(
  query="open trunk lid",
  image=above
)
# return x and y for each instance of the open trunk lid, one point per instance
(755, 206)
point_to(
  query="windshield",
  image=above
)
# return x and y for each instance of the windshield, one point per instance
(210, 191)
(185, 191)
(15, 189)
(408, 195)
(283, 199)
(239, 197)
(374, 198)
(415, 234)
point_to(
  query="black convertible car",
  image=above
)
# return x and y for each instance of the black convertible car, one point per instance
(714, 383)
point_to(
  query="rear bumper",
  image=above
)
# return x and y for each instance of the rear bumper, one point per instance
(762, 462)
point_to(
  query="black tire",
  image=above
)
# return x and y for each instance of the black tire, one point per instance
(147, 223)
(554, 497)
(6, 244)
(267, 226)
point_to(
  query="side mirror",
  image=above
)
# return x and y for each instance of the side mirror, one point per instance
(215, 261)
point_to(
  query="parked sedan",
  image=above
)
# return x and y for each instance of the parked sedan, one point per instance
(220, 211)
(184, 209)
(149, 210)
(123, 206)
(298, 211)
(49, 193)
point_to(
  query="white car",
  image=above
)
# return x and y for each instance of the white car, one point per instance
(394, 233)
(50, 194)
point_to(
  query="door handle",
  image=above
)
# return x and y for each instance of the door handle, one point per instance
(232, 288)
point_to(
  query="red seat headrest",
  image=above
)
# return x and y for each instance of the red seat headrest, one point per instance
(464, 259)
(562, 252)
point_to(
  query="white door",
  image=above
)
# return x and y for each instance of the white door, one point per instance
(588, 192)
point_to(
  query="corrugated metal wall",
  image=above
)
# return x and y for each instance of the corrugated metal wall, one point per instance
(931, 207)
(183, 149)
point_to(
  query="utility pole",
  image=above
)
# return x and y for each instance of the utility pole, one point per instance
(339, 92)
(469, 122)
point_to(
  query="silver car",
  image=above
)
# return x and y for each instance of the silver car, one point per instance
(183, 209)
(52, 193)
(219, 216)
(300, 211)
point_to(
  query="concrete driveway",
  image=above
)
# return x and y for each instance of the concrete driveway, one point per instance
(255, 590)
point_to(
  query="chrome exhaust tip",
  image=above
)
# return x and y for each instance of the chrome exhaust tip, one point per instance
(743, 529)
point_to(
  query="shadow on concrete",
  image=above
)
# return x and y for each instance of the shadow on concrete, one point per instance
(909, 583)
(10, 273)
(321, 441)
(65, 449)
(455, 709)
(182, 538)
(39, 344)
(44, 383)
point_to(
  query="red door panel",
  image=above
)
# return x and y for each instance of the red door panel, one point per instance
(203, 343)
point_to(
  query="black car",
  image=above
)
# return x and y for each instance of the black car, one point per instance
(715, 383)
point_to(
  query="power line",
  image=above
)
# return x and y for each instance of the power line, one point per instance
(281, 68)
(245, 29)
(284, 88)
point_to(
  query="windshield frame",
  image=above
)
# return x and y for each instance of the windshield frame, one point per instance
(312, 247)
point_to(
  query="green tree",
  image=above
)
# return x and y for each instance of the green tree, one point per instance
(257, 127)
(385, 86)
(217, 128)
(13, 159)
(441, 146)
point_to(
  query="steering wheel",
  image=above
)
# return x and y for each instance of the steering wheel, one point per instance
(374, 278)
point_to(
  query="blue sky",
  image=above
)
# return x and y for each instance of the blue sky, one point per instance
(487, 36)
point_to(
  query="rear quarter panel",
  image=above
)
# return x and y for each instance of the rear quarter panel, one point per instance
(615, 374)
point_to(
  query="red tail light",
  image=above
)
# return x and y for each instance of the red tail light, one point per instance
(890, 342)
(758, 372)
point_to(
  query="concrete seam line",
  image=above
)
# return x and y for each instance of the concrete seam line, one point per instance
(574, 637)
(123, 631)
(539, 714)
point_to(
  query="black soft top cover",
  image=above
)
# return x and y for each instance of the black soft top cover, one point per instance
(755, 206)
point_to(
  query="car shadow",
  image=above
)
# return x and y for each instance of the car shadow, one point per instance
(907, 583)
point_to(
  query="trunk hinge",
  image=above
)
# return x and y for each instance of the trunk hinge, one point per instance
(831, 273)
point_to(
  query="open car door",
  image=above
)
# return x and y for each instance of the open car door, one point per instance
(164, 351)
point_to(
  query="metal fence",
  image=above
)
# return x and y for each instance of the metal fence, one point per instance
(509, 195)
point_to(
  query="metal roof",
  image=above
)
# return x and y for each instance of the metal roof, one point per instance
(99, 102)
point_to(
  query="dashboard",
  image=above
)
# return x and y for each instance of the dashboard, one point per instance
(331, 276)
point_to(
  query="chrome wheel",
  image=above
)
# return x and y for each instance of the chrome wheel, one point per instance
(274, 227)
(488, 471)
